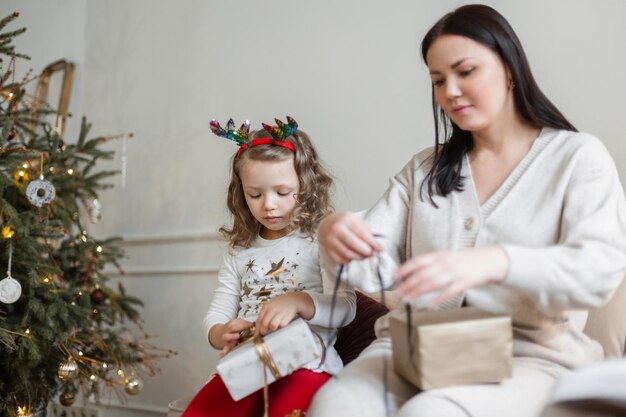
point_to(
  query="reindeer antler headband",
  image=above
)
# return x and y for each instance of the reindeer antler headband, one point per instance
(279, 134)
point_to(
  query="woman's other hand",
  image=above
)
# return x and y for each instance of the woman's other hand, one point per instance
(450, 272)
(346, 237)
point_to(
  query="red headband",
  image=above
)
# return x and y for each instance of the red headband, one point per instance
(266, 141)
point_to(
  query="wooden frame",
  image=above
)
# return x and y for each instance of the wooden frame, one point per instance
(67, 69)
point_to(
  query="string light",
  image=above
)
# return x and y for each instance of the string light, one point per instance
(99, 249)
(70, 171)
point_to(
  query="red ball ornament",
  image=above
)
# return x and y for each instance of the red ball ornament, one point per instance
(12, 134)
(98, 296)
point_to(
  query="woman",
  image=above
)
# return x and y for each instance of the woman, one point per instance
(513, 211)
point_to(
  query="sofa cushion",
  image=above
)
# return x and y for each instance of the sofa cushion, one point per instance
(357, 335)
(607, 324)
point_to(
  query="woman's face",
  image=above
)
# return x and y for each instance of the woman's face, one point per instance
(471, 83)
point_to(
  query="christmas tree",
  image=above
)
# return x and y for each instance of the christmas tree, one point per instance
(63, 329)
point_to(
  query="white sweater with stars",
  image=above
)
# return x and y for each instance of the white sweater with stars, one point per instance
(560, 216)
(251, 276)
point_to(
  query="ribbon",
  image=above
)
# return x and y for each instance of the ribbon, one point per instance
(266, 356)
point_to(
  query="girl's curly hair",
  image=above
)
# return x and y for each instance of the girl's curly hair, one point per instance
(313, 199)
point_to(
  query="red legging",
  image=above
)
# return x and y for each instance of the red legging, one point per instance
(293, 392)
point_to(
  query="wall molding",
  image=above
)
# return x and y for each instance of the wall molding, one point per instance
(162, 255)
(138, 272)
(168, 239)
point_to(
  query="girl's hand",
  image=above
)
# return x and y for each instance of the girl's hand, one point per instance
(226, 336)
(451, 272)
(281, 310)
(346, 237)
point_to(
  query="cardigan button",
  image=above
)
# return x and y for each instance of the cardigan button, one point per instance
(469, 223)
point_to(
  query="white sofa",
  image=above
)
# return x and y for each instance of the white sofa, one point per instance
(607, 325)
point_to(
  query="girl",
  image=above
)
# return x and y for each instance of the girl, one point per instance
(513, 211)
(277, 195)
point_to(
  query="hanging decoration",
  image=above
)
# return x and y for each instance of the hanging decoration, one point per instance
(40, 192)
(133, 385)
(10, 289)
(68, 370)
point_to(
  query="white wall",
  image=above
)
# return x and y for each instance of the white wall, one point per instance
(349, 72)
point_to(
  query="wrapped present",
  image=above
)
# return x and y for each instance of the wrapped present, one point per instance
(276, 354)
(451, 347)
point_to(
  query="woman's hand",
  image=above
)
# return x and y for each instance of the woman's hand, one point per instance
(346, 237)
(451, 272)
(281, 310)
(226, 336)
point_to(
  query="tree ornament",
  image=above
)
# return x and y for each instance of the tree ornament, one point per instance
(10, 289)
(7, 232)
(94, 208)
(133, 385)
(98, 296)
(46, 278)
(68, 370)
(67, 397)
(12, 134)
(21, 177)
(40, 192)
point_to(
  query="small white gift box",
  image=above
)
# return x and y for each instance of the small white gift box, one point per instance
(288, 349)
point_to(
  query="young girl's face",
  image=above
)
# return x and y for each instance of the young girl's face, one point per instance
(270, 188)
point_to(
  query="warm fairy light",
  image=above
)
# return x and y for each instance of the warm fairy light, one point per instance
(95, 311)
(27, 331)
(25, 165)
(22, 411)
(120, 372)
(104, 365)
(70, 171)
(10, 95)
(99, 249)
(92, 377)
(80, 293)
(80, 353)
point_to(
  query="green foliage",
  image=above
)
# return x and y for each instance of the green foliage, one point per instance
(67, 309)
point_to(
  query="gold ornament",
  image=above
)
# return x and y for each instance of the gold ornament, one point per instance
(68, 370)
(67, 398)
(8, 232)
(21, 177)
(46, 278)
(133, 385)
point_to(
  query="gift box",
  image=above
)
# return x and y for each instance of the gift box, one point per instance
(281, 352)
(451, 347)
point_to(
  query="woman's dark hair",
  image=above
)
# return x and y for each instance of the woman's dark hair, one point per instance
(488, 27)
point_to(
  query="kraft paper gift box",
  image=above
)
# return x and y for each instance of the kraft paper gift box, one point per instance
(290, 347)
(451, 347)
